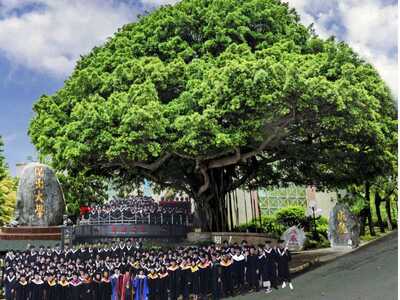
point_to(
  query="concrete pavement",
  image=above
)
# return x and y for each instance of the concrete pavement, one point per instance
(369, 273)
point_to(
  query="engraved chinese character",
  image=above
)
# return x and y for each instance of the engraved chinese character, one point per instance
(39, 172)
(39, 183)
(39, 210)
(39, 197)
(341, 226)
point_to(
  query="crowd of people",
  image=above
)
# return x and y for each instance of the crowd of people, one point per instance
(121, 271)
(140, 210)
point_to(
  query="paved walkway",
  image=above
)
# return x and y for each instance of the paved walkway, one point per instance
(305, 259)
(368, 273)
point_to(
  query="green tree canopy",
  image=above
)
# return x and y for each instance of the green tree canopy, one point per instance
(8, 196)
(3, 166)
(208, 95)
(8, 187)
(81, 189)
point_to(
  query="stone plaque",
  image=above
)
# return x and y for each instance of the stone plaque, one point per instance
(218, 239)
(294, 238)
(344, 229)
(40, 201)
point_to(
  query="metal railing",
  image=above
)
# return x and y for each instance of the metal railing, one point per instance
(120, 217)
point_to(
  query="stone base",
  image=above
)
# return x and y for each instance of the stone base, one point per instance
(52, 233)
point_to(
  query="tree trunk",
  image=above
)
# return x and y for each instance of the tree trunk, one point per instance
(389, 214)
(368, 209)
(363, 220)
(231, 226)
(211, 207)
(378, 201)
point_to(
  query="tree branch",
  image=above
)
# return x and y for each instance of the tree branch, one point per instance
(206, 184)
(152, 166)
(121, 162)
(249, 175)
(277, 129)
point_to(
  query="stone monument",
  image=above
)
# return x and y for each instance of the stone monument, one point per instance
(40, 201)
(294, 238)
(344, 229)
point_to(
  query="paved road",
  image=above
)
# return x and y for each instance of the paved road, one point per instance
(369, 273)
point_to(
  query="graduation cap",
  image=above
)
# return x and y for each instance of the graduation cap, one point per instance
(280, 241)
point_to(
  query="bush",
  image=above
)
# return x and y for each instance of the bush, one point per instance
(268, 225)
(292, 216)
(286, 217)
(271, 226)
(310, 243)
(322, 226)
(253, 226)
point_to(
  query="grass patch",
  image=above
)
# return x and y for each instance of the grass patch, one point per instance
(368, 237)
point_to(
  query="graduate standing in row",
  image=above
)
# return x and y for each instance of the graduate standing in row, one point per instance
(154, 284)
(21, 289)
(200, 272)
(283, 258)
(140, 285)
(226, 275)
(163, 283)
(9, 285)
(269, 267)
(252, 270)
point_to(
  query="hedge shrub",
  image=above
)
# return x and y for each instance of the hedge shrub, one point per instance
(292, 216)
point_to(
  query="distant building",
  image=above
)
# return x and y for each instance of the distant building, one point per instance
(273, 199)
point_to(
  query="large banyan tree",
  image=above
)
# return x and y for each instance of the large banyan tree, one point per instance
(209, 95)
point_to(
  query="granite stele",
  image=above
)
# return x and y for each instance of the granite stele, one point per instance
(40, 201)
(344, 229)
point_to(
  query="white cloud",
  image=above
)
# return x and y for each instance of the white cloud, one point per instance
(368, 26)
(10, 138)
(49, 36)
(159, 2)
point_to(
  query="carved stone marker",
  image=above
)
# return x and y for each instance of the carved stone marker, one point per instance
(344, 229)
(294, 238)
(40, 201)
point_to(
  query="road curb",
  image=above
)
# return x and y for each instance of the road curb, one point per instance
(301, 267)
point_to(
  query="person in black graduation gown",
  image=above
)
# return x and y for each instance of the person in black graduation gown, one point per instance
(153, 282)
(195, 279)
(51, 288)
(87, 288)
(96, 287)
(204, 277)
(252, 270)
(9, 285)
(163, 283)
(21, 289)
(174, 274)
(283, 258)
(63, 289)
(184, 279)
(215, 279)
(226, 276)
(269, 267)
(238, 269)
(106, 289)
(36, 288)
(75, 287)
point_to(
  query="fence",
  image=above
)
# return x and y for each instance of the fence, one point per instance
(126, 217)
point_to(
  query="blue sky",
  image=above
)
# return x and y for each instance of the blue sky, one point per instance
(40, 40)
